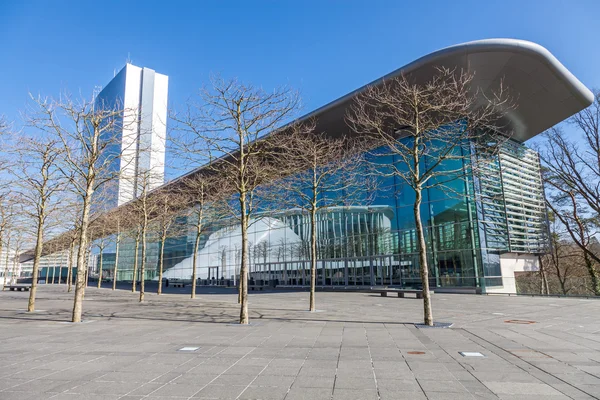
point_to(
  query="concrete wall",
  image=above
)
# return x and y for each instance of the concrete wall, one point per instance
(511, 263)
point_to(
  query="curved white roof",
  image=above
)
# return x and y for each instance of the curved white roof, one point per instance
(545, 91)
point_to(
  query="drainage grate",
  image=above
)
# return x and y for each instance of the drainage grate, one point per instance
(189, 348)
(415, 352)
(470, 354)
(519, 321)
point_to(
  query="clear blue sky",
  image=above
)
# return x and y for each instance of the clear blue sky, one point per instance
(323, 48)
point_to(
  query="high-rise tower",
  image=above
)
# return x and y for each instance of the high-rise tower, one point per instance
(141, 94)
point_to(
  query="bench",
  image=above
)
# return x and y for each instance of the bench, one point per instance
(256, 287)
(19, 288)
(177, 284)
(401, 292)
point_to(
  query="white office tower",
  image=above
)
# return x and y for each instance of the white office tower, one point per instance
(141, 94)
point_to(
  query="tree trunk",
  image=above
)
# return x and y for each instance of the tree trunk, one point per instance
(544, 279)
(7, 250)
(6, 265)
(87, 265)
(135, 263)
(39, 243)
(116, 268)
(70, 267)
(244, 265)
(313, 257)
(143, 264)
(14, 269)
(427, 313)
(100, 268)
(81, 253)
(589, 264)
(195, 260)
(161, 259)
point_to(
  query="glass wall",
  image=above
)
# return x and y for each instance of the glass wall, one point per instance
(488, 208)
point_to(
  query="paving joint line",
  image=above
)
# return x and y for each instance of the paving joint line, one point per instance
(510, 355)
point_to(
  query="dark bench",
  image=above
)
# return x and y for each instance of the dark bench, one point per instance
(401, 292)
(19, 288)
(177, 284)
(256, 287)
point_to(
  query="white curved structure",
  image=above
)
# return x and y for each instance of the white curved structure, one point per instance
(545, 91)
(220, 255)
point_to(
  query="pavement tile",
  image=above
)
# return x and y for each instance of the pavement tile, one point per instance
(264, 393)
(109, 388)
(519, 388)
(175, 389)
(357, 342)
(220, 392)
(234, 380)
(273, 380)
(355, 383)
(309, 394)
(434, 385)
(354, 394)
(314, 382)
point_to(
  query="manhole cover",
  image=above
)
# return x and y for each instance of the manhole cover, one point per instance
(415, 352)
(519, 321)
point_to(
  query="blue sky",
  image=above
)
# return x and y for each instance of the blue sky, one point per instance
(323, 48)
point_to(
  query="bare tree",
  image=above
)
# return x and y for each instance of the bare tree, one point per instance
(20, 240)
(117, 247)
(8, 215)
(39, 182)
(229, 122)
(145, 209)
(572, 179)
(424, 126)
(101, 241)
(204, 211)
(7, 238)
(136, 235)
(324, 173)
(167, 208)
(89, 134)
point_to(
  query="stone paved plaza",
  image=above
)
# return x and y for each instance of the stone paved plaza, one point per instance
(358, 346)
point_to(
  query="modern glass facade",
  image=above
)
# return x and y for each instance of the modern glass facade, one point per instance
(494, 206)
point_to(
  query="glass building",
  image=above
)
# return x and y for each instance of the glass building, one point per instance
(481, 228)
(470, 223)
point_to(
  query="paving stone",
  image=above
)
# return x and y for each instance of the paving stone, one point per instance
(354, 394)
(309, 394)
(356, 345)
(355, 383)
(314, 382)
(513, 388)
(220, 392)
(273, 380)
(434, 385)
(264, 393)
